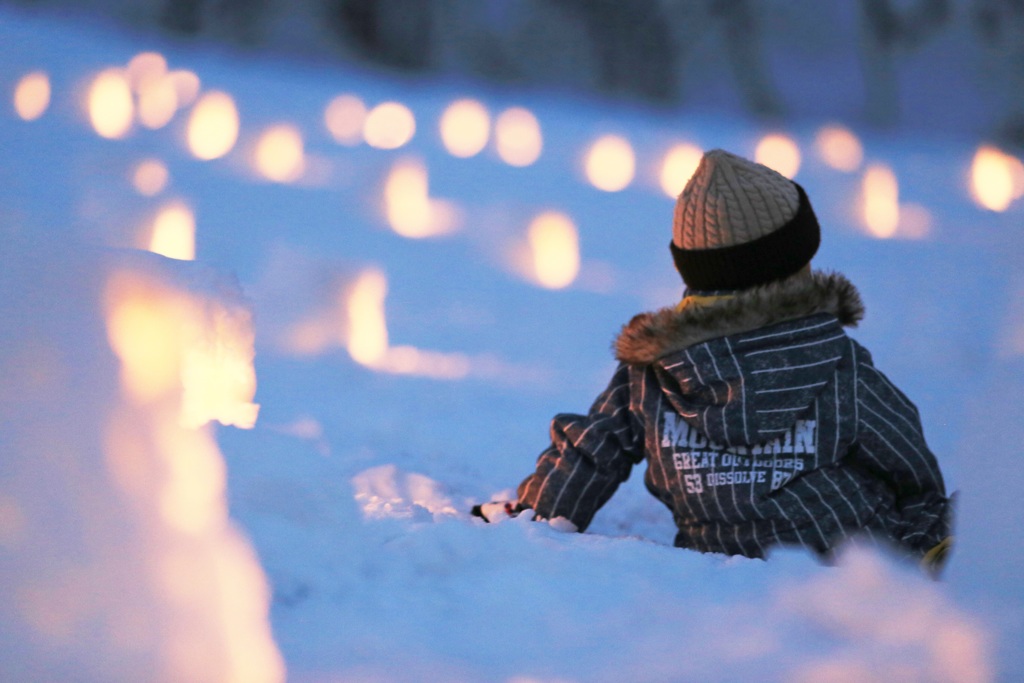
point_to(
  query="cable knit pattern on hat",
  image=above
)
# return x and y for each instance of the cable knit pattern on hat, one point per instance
(730, 200)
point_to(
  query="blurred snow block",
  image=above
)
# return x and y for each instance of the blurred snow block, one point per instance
(386, 492)
(888, 624)
(117, 556)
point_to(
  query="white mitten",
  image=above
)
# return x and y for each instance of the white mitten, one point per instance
(500, 510)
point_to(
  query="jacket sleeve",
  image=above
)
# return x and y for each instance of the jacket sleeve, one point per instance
(589, 456)
(893, 448)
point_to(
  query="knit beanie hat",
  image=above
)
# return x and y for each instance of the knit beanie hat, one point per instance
(739, 224)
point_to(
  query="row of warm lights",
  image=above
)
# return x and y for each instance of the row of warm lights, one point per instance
(465, 128)
(552, 237)
(996, 180)
(610, 162)
(146, 89)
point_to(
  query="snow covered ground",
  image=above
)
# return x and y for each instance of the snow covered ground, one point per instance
(354, 483)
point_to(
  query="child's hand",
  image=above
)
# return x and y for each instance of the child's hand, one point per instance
(499, 511)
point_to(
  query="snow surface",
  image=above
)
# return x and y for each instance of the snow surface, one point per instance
(354, 485)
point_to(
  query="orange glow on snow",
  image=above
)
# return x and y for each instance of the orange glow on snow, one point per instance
(192, 499)
(678, 167)
(465, 128)
(779, 153)
(881, 201)
(367, 328)
(32, 95)
(144, 333)
(280, 155)
(150, 177)
(408, 360)
(389, 126)
(110, 104)
(174, 233)
(839, 148)
(213, 126)
(554, 244)
(518, 137)
(344, 117)
(997, 178)
(204, 586)
(219, 380)
(169, 348)
(610, 163)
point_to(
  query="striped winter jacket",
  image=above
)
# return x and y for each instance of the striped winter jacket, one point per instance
(762, 423)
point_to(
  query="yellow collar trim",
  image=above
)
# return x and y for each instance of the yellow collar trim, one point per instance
(697, 300)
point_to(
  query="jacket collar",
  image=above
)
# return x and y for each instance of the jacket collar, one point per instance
(649, 336)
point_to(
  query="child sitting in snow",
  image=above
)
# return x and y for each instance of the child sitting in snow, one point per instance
(761, 421)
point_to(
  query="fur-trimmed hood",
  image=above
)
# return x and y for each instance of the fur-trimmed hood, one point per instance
(650, 336)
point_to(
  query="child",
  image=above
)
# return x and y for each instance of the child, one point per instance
(761, 421)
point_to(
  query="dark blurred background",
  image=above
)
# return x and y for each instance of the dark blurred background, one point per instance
(946, 66)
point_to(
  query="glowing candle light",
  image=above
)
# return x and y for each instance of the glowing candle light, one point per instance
(407, 201)
(32, 95)
(280, 155)
(881, 201)
(111, 108)
(610, 163)
(213, 126)
(839, 148)
(518, 137)
(368, 332)
(555, 245)
(174, 233)
(144, 68)
(186, 86)
(780, 153)
(389, 126)
(678, 166)
(995, 178)
(150, 177)
(465, 128)
(344, 117)
(158, 102)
